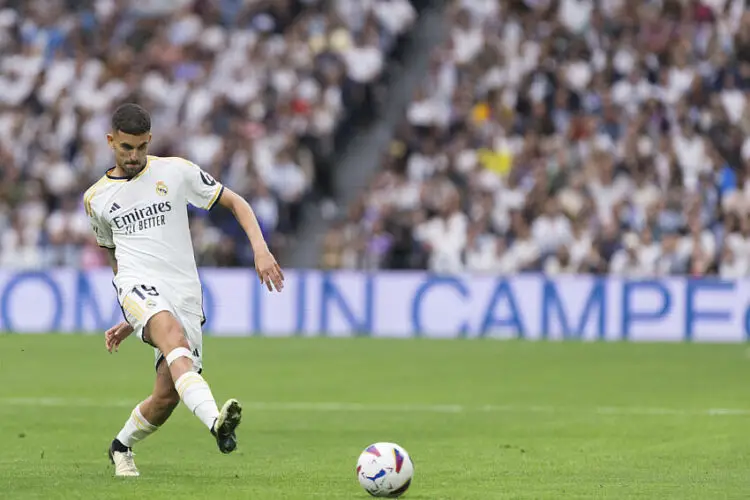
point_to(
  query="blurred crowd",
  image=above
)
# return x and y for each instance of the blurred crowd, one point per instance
(251, 90)
(569, 136)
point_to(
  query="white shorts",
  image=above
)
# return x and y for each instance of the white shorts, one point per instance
(140, 303)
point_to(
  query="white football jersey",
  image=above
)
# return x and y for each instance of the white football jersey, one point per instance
(145, 220)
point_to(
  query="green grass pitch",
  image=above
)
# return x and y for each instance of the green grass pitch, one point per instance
(482, 419)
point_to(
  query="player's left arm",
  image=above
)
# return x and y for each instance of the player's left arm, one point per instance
(269, 271)
(204, 191)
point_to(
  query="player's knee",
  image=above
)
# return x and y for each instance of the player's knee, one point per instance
(179, 353)
(177, 348)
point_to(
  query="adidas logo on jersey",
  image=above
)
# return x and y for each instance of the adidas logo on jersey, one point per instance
(114, 208)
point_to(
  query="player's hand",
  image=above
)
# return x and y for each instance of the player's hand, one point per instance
(269, 272)
(117, 334)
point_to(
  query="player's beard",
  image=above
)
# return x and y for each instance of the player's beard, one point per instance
(133, 169)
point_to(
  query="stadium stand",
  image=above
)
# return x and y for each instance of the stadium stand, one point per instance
(568, 136)
(250, 90)
(562, 136)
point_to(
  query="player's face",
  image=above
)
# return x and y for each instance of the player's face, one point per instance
(130, 151)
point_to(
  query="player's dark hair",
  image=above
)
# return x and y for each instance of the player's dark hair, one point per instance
(131, 119)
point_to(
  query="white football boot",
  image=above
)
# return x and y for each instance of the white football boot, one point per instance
(123, 462)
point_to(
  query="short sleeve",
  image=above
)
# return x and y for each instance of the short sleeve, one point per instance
(203, 191)
(102, 230)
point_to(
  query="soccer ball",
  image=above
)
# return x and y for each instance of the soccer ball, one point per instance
(385, 470)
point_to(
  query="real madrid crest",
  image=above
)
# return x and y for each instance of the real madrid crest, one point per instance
(161, 188)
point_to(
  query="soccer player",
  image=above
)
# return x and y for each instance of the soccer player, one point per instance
(138, 211)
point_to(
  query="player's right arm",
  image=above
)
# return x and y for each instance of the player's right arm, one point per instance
(103, 232)
(112, 259)
(102, 229)
(104, 239)
(116, 334)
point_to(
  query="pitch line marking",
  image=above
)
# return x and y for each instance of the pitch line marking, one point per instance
(301, 406)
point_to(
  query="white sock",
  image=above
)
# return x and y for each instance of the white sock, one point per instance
(136, 428)
(196, 395)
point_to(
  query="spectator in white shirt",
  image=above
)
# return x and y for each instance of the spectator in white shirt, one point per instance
(288, 182)
(691, 154)
(524, 252)
(733, 266)
(444, 236)
(480, 250)
(551, 229)
(671, 262)
(628, 261)
(698, 237)
(364, 61)
(560, 263)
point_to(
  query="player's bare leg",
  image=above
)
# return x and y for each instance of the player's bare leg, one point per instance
(144, 420)
(158, 407)
(165, 333)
